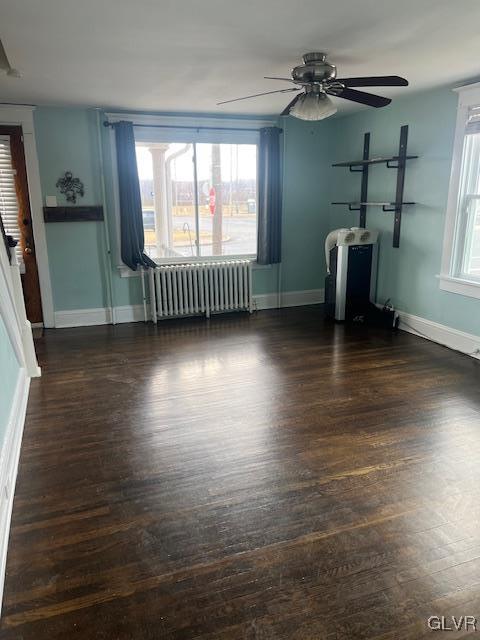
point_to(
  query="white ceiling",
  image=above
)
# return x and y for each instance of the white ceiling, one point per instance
(167, 55)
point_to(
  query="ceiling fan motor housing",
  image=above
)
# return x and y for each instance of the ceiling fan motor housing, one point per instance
(315, 69)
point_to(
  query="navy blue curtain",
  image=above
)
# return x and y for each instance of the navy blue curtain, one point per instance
(131, 220)
(269, 241)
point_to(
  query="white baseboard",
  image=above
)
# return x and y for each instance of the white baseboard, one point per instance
(9, 455)
(131, 313)
(101, 315)
(134, 313)
(288, 299)
(458, 340)
(81, 317)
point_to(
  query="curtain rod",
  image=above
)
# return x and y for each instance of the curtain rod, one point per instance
(192, 128)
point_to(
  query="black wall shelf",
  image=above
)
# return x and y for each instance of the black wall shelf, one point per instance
(397, 162)
(73, 214)
(359, 163)
(387, 206)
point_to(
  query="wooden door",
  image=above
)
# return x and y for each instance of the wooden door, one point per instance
(30, 283)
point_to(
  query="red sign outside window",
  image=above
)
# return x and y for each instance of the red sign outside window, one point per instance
(211, 200)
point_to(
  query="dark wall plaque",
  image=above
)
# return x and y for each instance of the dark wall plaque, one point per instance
(73, 214)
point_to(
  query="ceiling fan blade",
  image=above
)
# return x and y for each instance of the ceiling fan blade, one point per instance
(360, 96)
(4, 63)
(275, 78)
(255, 95)
(374, 81)
(286, 111)
(303, 84)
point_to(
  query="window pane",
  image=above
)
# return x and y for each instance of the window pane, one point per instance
(472, 244)
(166, 177)
(467, 232)
(227, 197)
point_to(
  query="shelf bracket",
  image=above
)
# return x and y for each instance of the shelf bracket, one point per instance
(351, 208)
(392, 164)
(364, 190)
(402, 152)
(352, 170)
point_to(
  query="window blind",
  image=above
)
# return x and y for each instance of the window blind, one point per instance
(8, 194)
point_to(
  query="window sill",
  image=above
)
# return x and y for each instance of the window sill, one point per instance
(462, 287)
(126, 272)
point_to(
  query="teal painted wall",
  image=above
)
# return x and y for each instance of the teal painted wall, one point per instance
(407, 275)
(9, 370)
(305, 219)
(67, 140)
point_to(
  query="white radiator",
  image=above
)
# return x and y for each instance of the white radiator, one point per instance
(200, 288)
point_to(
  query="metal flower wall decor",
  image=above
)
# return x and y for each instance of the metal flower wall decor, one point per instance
(70, 187)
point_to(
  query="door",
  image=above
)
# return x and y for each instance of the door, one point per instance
(16, 215)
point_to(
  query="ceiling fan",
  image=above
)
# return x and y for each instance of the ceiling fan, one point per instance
(316, 80)
(5, 64)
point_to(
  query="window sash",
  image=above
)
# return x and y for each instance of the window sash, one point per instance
(465, 237)
(451, 278)
(145, 135)
(468, 199)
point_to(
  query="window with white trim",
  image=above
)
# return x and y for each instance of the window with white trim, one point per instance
(8, 195)
(171, 134)
(199, 193)
(461, 252)
(466, 254)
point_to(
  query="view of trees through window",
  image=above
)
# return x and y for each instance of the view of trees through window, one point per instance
(198, 199)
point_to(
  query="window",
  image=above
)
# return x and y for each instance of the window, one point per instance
(199, 198)
(466, 262)
(461, 255)
(8, 196)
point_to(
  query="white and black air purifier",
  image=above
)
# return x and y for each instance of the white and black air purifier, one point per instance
(350, 285)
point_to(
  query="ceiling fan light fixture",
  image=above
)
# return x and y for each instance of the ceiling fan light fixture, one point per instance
(313, 106)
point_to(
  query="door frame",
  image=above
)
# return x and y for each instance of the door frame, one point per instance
(22, 115)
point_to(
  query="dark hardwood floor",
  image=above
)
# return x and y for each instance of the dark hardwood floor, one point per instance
(261, 477)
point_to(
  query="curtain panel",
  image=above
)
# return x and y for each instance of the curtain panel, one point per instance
(269, 243)
(131, 219)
